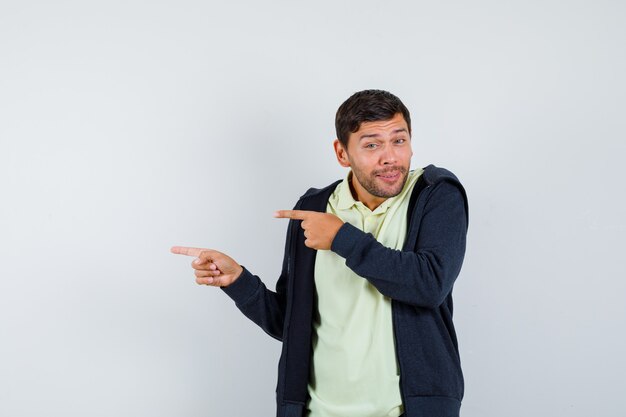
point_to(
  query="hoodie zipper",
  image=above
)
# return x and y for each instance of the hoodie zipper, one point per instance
(291, 244)
(394, 304)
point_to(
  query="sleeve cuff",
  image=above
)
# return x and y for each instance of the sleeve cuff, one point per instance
(346, 239)
(243, 288)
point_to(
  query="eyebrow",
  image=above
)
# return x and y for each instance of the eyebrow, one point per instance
(376, 135)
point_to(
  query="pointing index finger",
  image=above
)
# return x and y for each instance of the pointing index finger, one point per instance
(184, 250)
(292, 214)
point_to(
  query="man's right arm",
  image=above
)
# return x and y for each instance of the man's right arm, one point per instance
(264, 307)
(261, 305)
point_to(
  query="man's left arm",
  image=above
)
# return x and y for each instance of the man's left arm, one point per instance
(424, 276)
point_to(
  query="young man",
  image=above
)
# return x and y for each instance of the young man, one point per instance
(363, 306)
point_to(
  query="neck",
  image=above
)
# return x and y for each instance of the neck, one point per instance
(360, 194)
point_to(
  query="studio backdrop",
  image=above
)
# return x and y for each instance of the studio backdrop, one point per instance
(127, 127)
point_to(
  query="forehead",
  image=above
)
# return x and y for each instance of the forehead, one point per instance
(397, 122)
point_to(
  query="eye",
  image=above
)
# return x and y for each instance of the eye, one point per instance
(371, 146)
(400, 141)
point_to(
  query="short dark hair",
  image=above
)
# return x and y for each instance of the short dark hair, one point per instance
(367, 106)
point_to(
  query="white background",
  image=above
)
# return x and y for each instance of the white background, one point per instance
(127, 127)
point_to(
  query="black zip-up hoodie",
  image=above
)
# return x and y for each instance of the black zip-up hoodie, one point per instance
(419, 280)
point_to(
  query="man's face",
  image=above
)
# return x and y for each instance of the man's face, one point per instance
(379, 154)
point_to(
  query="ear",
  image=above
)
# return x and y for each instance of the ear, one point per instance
(341, 153)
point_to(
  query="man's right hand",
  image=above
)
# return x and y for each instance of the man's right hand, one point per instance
(211, 267)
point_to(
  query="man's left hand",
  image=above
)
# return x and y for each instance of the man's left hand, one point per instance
(319, 228)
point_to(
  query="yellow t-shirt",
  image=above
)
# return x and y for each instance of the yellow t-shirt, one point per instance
(354, 370)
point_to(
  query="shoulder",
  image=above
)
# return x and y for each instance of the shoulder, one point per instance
(434, 174)
(316, 198)
(313, 192)
(444, 185)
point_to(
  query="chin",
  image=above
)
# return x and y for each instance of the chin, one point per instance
(386, 192)
(394, 189)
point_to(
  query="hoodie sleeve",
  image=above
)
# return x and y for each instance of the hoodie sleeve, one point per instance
(423, 276)
(264, 307)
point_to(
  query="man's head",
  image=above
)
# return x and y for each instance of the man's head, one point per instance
(367, 106)
(374, 140)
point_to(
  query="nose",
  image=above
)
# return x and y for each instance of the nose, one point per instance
(388, 156)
